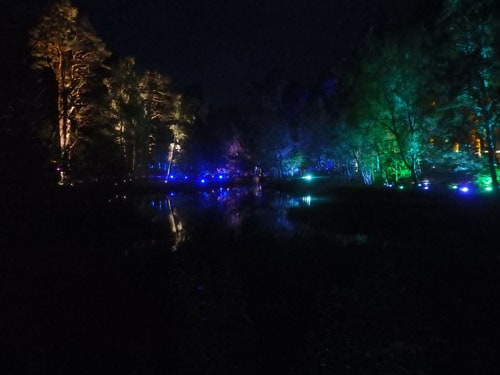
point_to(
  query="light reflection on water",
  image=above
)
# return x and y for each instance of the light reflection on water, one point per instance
(229, 208)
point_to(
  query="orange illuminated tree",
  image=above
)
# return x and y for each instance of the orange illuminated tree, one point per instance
(127, 114)
(168, 115)
(66, 44)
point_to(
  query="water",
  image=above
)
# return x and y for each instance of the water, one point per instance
(229, 209)
(250, 281)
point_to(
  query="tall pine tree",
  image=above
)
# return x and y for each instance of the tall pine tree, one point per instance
(67, 44)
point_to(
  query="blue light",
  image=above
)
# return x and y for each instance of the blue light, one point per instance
(171, 176)
(221, 177)
(202, 180)
(464, 189)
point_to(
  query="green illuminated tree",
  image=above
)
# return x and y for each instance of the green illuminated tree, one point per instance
(473, 69)
(390, 97)
(66, 44)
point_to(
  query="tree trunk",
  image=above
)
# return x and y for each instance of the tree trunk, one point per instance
(490, 145)
(170, 159)
(63, 115)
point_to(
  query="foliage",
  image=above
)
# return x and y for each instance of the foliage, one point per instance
(168, 117)
(422, 100)
(390, 116)
(67, 45)
(127, 114)
(291, 127)
(471, 36)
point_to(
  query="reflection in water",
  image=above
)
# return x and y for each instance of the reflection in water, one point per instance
(175, 225)
(180, 212)
(161, 209)
(237, 205)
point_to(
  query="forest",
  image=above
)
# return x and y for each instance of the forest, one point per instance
(416, 102)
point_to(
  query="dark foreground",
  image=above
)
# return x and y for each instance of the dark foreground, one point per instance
(370, 282)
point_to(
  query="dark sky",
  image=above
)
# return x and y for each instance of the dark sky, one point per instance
(223, 45)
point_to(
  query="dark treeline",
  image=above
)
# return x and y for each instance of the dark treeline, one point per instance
(417, 98)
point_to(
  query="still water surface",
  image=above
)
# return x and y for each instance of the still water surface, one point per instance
(251, 281)
(227, 208)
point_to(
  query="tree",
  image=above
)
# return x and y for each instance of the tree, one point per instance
(319, 123)
(66, 44)
(25, 108)
(275, 135)
(391, 86)
(127, 113)
(158, 100)
(181, 118)
(473, 68)
(168, 115)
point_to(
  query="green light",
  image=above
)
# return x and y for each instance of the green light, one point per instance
(307, 200)
(307, 177)
(484, 182)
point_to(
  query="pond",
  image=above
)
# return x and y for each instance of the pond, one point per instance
(231, 210)
(251, 281)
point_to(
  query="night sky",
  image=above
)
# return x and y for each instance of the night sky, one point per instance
(224, 45)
